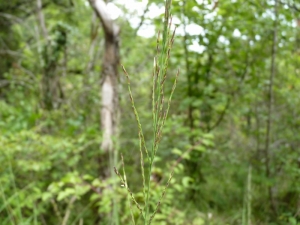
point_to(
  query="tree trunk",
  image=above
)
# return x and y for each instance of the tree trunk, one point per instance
(52, 93)
(270, 104)
(109, 92)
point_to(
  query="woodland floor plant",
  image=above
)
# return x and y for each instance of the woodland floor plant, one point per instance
(160, 109)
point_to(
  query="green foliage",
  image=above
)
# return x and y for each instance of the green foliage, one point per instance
(50, 160)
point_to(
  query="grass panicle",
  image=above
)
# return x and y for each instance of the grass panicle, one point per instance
(160, 110)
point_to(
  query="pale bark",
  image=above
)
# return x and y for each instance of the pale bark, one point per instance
(109, 92)
(41, 19)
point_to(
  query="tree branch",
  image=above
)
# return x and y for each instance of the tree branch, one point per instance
(42, 19)
(108, 24)
(143, 18)
(291, 6)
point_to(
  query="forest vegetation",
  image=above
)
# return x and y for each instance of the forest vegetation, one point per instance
(149, 112)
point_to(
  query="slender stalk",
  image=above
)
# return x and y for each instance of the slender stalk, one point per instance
(124, 184)
(270, 108)
(160, 111)
(246, 219)
(187, 68)
(249, 196)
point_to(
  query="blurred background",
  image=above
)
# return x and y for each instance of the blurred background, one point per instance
(233, 126)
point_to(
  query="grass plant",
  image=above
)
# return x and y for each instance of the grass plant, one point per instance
(160, 109)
